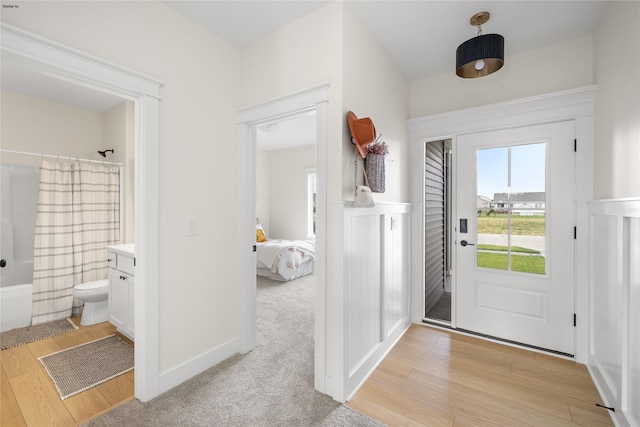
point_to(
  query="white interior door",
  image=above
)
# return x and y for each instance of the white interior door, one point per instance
(515, 259)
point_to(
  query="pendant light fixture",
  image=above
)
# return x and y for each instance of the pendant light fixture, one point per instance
(481, 55)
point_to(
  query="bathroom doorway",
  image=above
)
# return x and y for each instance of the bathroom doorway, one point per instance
(91, 74)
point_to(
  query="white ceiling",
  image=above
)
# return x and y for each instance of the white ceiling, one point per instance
(292, 132)
(420, 35)
(242, 22)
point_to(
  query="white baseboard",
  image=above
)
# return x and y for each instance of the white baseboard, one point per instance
(378, 356)
(607, 399)
(191, 368)
(329, 387)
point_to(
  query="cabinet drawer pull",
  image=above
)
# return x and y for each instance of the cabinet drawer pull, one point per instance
(123, 277)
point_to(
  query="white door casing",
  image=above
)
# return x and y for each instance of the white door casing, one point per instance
(313, 98)
(533, 309)
(573, 104)
(71, 65)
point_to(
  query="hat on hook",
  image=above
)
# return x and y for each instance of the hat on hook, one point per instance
(363, 132)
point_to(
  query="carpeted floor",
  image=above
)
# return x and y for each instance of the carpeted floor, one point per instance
(271, 386)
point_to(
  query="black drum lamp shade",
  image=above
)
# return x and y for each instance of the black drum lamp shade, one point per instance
(481, 55)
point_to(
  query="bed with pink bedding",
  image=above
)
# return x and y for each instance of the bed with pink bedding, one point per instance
(285, 260)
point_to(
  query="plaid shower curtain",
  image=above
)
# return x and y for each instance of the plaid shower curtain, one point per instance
(78, 216)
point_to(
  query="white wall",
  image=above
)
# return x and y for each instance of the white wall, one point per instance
(614, 224)
(119, 135)
(552, 68)
(617, 109)
(328, 46)
(375, 87)
(38, 125)
(197, 154)
(288, 191)
(614, 309)
(295, 57)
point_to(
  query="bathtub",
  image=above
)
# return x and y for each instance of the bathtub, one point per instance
(18, 207)
(16, 294)
(15, 306)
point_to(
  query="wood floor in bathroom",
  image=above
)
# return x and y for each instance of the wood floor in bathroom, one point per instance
(29, 397)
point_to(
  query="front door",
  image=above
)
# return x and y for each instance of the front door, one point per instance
(515, 235)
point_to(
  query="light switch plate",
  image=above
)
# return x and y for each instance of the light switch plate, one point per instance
(192, 227)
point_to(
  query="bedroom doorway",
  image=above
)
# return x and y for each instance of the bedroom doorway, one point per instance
(249, 120)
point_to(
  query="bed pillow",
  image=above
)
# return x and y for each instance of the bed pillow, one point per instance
(260, 236)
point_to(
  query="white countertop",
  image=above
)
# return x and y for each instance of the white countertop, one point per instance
(125, 248)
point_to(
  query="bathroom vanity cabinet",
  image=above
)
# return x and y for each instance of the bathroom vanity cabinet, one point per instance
(121, 260)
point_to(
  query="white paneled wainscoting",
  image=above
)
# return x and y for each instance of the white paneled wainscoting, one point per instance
(373, 288)
(614, 306)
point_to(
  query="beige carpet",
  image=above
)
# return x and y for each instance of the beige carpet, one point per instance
(19, 336)
(80, 368)
(270, 386)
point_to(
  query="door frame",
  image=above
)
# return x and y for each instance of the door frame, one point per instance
(71, 65)
(574, 104)
(315, 99)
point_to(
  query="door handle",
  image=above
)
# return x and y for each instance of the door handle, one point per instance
(465, 243)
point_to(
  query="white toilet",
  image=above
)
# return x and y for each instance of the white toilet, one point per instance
(95, 296)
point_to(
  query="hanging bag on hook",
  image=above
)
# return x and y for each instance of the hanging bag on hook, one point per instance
(364, 198)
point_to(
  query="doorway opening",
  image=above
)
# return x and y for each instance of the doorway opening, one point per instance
(249, 119)
(437, 226)
(286, 177)
(51, 59)
(285, 243)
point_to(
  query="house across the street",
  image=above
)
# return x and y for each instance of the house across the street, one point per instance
(532, 203)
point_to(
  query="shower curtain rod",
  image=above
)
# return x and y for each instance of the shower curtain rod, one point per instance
(59, 157)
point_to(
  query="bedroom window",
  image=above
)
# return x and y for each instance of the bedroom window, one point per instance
(311, 202)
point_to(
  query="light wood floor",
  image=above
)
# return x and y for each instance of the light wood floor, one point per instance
(29, 397)
(434, 377)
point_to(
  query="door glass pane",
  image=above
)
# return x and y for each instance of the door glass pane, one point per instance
(528, 200)
(492, 203)
(511, 203)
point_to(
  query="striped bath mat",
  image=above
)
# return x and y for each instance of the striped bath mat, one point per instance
(29, 334)
(80, 368)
